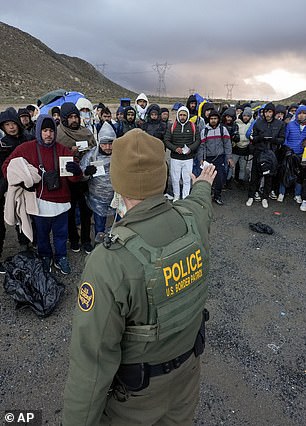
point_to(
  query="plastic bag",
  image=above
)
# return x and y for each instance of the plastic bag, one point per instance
(262, 228)
(30, 285)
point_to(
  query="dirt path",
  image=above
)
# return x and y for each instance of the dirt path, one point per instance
(254, 367)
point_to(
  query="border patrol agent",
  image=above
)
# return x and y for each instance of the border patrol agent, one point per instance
(138, 328)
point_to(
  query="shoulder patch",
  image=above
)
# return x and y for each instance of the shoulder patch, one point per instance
(86, 297)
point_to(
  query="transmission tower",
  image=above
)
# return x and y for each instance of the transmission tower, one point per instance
(101, 68)
(229, 86)
(161, 71)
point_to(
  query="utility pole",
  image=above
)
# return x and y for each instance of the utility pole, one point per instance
(229, 86)
(161, 71)
(101, 68)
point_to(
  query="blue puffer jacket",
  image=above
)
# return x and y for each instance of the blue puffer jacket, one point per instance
(294, 134)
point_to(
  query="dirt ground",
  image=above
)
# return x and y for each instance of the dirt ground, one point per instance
(254, 366)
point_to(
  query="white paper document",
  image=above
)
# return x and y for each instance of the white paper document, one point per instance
(62, 165)
(82, 145)
(100, 168)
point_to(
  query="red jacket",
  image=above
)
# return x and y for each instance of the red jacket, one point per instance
(28, 151)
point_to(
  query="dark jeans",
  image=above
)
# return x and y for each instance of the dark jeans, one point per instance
(219, 163)
(59, 227)
(78, 198)
(2, 225)
(100, 222)
(256, 176)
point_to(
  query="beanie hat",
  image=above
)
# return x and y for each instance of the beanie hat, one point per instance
(23, 112)
(280, 108)
(31, 108)
(67, 109)
(138, 166)
(247, 111)
(107, 133)
(48, 123)
(55, 110)
(44, 121)
(214, 113)
(164, 109)
(270, 106)
(207, 106)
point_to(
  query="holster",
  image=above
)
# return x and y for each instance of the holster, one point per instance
(199, 344)
(134, 377)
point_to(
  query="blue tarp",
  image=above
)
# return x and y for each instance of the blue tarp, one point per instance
(67, 97)
(199, 98)
(177, 105)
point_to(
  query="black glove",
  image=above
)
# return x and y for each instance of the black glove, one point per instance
(90, 170)
(236, 137)
(31, 189)
(74, 168)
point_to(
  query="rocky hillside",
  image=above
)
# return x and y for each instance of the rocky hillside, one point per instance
(294, 99)
(29, 69)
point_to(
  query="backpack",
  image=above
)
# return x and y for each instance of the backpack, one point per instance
(289, 169)
(267, 162)
(206, 130)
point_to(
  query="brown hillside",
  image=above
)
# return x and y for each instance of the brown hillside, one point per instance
(29, 69)
(294, 99)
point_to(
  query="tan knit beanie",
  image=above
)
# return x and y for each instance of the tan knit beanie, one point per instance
(138, 165)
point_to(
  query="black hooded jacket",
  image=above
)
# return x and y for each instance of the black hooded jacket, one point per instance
(233, 128)
(268, 135)
(192, 112)
(9, 143)
(156, 128)
(127, 125)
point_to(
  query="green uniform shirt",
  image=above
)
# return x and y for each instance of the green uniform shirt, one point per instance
(113, 294)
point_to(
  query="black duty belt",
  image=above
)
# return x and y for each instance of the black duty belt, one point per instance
(167, 367)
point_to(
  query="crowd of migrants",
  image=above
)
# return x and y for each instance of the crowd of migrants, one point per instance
(55, 167)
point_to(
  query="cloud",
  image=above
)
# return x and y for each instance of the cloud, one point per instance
(208, 45)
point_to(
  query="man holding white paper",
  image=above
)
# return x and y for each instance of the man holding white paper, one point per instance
(79, 140)
(52, 192)
(96, 166)
(183, 140)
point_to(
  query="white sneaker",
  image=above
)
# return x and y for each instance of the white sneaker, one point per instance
(249, 202)
(298, 199)
(175, 199)
(303, 206)
(280, 198)
(264, 203)
(272, 195)
(168, 196)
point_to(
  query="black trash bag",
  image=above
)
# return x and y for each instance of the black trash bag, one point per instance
(262, 228)
(30, 285)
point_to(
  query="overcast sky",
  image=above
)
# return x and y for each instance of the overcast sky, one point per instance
(256, 48)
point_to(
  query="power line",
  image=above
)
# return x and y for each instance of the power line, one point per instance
(161, 71)
(101, 68)
(229, 86)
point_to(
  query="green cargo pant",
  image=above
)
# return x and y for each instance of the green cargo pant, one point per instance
(170, 399)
